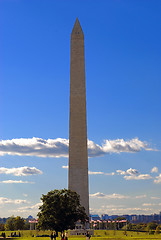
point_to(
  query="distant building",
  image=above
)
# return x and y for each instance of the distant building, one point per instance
(94, 217)
(33, 224)
(29, 218)
(104, 217)
(130, 218)
(112, 217)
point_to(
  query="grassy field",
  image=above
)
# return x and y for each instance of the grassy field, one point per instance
(98, 235)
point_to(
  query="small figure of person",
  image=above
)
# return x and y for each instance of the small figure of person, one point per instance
(62, 236)
(4, 235)
(19, 234)
(66, 235)
(88, 236)
(52, 236)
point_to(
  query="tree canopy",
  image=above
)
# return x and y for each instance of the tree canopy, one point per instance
(151, 226)
(15, 223)
(60, 210)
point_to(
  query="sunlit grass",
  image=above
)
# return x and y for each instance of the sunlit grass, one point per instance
(98, 235)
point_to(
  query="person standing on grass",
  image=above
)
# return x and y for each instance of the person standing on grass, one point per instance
(88, 236)
(66, 236)
(51, 236)
(4, 235)
(62, 236)
(54, 235)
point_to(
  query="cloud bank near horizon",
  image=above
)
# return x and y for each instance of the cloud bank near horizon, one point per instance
(31, 209)
(120, 210)
(59, 147)
(114, 196)
(4, 200)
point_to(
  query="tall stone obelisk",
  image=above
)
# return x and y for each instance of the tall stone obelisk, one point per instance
(78, 154)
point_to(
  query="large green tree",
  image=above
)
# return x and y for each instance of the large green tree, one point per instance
(60, 210)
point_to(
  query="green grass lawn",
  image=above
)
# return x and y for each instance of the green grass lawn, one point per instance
(98, 235)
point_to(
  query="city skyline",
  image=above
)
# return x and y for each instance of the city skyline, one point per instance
(123, 56)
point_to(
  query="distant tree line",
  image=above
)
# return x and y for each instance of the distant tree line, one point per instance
(15, 223)
(152, 227)
(18, 223)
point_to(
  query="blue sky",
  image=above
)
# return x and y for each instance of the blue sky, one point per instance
(123, 59)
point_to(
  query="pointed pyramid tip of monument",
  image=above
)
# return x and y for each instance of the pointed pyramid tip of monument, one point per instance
(77, 20)
(77, 29)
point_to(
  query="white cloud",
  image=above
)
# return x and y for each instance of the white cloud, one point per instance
(65, 167)
(21, 171)
(114, 196)
(120, 172)
(155, 198)
(133, 174)
(154, 170)
(15, 181)
(121, 210)
(151, 204)
(59, 147)
(94, 149)
(129, 174)
(33, 208)
(35, 147)
(132, 171)
(138, 177)
(94, 173)
(129, 171)
(97, 195)
(112, 206)
(120, 145)
(100, 173)
(148, 204)
(25, 195)
(12, 201)
(136, 209)
(141, 196)
(158, 179)
(110, 173)
(108, 196)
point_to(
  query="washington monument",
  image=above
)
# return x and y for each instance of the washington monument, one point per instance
(78, 154)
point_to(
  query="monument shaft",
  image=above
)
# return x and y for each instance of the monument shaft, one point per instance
(78, 153)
